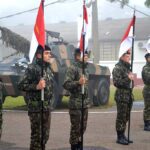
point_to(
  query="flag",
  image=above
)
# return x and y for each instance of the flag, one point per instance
(148, 46)
(84, 29)
(126, 42)
(38, 37)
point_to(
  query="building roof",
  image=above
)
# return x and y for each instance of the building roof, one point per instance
(109, 30)
(115, 29)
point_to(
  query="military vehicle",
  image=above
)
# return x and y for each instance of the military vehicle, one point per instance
(13, 67)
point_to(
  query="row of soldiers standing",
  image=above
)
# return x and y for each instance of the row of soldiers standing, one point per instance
(32, 84)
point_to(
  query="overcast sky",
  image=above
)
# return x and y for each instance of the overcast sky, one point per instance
(67, 11)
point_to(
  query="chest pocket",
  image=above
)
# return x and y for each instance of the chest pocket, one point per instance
(78, 73)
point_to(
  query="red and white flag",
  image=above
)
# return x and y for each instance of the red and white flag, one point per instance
(84, 30)
(126, 42)
(38, 37)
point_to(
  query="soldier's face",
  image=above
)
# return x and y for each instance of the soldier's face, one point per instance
(86, 57)
(47, 56)
(78, 57)
(126, 58)
(148, 59)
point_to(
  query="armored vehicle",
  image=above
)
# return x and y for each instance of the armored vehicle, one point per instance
(13, 67)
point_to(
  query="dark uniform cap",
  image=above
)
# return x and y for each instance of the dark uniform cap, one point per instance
(40, 49)
(47, 48)
(147, 55)
(86, 52)
(77, 51)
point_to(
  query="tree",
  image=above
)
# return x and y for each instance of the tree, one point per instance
(14, 40)
(147, 3)
(123, 2)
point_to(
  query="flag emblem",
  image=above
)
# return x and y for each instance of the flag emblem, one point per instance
(126, 42)
(38, 37)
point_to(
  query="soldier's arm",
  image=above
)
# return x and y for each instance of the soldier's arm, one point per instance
(120, 78)
(70, 83)
(146, 75)
(27, 83)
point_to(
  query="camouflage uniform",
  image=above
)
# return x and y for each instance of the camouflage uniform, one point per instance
(123, 95)
(1, 120)
(33, 98)
(146, 95)
(71, 83)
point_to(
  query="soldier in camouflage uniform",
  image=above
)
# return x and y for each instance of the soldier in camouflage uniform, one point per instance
(1, 119)
(73, 83)
(32, 84)
(122, 78)
(146, 92)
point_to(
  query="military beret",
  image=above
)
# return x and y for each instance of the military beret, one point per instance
(77, 51)
(47, 48)
(147, 55)
(40, 49)
(86, 52)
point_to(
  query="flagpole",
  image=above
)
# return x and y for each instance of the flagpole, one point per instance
(42, 94)
(83, 73)
(131, 85)
(132, 54)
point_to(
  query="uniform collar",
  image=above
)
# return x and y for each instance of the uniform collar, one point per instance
(39, 62)
(126, 64)
(80, 64)
(148, 63)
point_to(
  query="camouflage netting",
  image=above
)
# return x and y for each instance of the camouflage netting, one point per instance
(15, 41)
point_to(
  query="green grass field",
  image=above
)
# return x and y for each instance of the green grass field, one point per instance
(18, 103)
(137, 92)
(14, 103)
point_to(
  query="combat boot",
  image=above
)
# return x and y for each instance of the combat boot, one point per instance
(121, 139)
(0, 133)
(130, 141)
(79, 145)
(146, 125)
(74, 146)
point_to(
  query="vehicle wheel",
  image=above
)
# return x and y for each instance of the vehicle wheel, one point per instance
(103, 91)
